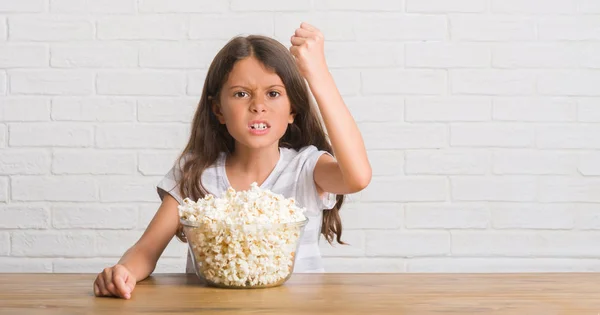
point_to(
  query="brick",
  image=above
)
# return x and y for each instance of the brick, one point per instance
(406, 189)
(3, 83)
(4, 189)
(49, 28)
(25, 265)
(182, 6)
(569, 189)
(94, 217)
(24, 162)
(4, 244)
(104, 6)
(17, 216)
(270, 5)
(408, 243)
(3, 136)
(375, 55)
(93, 109)
(485, 188)
(447, 216)
(535, 109)
(335, 26)
(347, 81)
(52, 244)
(195, 82)
(159, 136)
(3, 29)
(361, 108)
(491, 135)
(588, 110)
(448, 109)
(355, 247)
(536, 55)
(8, 6)
(588, 56)
(532, 216)
(23, 56)
(427, 82)
(492, 82)
(587, 217)
(403, 136)
(227, 26)
(500, 265)
(447, 55)
(534, 162)
(56, 188)
(357, 216)
(170, 265)
(397, 27)
(82, 265)
(589, 6)
(569, 82)
(180, 55)
(157, 162)
(94, 55)
(357, 5)
(128, 189)
(584, 136)
(146, 213)
(24, 109)
(441, 6)
(144, 82)
(588, 163)
(95, 162)
(447, 161)
(569, 28)
(526, 243)
(51, 82)
(142, 27)
(534, 6)
(50, 134)
(386, 162)
(363, 265)
(492, 28)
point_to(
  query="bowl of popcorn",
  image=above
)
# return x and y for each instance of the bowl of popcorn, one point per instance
(245, 239)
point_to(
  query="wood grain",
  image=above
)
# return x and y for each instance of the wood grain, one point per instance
(539, 293)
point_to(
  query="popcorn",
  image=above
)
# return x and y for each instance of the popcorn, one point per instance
(246, 238)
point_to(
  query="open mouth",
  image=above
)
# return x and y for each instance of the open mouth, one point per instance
(259, 126)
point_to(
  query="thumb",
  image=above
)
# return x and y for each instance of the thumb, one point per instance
(120, 275)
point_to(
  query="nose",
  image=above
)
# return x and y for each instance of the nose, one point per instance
(258, 105)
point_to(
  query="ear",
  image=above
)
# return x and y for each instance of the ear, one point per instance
(291, 117)
(216, 108)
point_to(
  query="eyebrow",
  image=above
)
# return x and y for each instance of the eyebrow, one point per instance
(243, 87)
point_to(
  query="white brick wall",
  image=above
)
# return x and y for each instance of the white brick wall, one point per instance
(481, 119)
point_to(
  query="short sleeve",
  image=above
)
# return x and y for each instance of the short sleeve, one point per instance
(169, 183)
(325, 201)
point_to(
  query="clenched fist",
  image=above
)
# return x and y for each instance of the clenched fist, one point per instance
(115, 281)
(308, 50)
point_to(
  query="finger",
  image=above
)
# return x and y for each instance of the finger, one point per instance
(96, 289)
(102, 286)
(108, 282)
(295, 50)
(122, 289)
(130, 282)
(297, 41)
(302, 32)
(308, 26)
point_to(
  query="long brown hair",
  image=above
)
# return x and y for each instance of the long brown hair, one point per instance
(208, 138)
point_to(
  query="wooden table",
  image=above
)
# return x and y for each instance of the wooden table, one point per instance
(365, 294)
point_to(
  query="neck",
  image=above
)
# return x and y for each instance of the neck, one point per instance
(253, 164)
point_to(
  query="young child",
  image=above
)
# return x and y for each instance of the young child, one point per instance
(254, 123)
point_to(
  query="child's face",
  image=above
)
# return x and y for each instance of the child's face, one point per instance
(254, 105)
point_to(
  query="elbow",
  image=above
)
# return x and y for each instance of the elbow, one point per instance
(361, 181)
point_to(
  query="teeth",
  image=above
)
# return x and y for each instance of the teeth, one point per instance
(260, 126)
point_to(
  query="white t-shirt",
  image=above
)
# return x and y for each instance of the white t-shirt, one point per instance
(293, 178)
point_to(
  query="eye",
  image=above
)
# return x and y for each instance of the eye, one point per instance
(240, 94)
(274, 94)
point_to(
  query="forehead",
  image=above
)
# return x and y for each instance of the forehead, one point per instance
(251, 72)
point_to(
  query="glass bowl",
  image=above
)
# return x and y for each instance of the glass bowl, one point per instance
(243, 256)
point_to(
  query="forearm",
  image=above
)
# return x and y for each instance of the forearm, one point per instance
(138, 262)
(346, 139)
